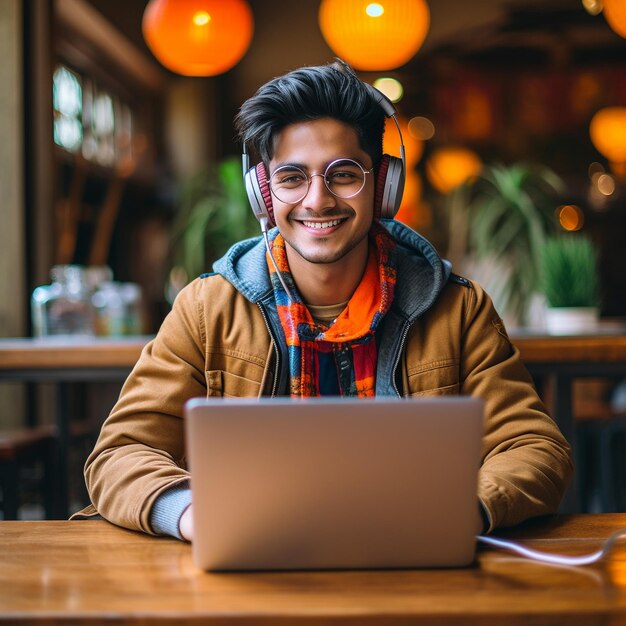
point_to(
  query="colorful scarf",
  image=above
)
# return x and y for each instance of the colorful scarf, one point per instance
(340, 359)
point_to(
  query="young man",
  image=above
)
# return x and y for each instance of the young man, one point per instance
(344, 305)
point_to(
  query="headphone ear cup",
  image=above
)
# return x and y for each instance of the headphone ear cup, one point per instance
(389, 187)
(379, 185)
(259, 194)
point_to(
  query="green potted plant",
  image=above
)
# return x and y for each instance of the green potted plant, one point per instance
(569, 281)
(507, 212)
(213, 214)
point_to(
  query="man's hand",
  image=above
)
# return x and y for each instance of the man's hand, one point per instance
(186, 523)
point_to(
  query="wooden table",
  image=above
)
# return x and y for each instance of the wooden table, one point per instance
(538, 348)
(64, 361)
(69, 359)
(94, 573)
(558, 361)
(561, 359)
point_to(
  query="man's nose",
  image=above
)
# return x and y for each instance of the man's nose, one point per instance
(319, 196)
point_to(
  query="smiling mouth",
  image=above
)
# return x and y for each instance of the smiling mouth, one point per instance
(322, 225)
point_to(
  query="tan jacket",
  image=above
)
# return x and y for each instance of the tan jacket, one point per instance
(216, 343)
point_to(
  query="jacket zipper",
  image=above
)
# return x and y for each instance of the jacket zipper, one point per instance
(276, 350)
(405, 332)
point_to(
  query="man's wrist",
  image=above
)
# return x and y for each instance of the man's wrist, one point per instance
(168, 508)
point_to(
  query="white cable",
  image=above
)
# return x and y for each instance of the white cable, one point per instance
(557, 559)
(269, 251)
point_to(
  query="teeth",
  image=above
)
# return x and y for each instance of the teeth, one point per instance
(322, 224)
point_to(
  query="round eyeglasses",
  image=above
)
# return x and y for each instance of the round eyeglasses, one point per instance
(344, 178)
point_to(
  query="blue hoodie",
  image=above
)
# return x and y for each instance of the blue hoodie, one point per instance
(421, 276)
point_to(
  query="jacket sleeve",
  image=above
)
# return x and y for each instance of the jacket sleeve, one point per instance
(526, 464)
(140, 452)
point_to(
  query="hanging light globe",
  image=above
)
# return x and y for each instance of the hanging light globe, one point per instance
(449, 167)
(608, 133)
(615, 14)
(374, 36)
(198, 37)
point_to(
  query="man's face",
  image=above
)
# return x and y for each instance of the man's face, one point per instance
(323, 228)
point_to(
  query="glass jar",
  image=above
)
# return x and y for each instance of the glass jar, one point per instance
(110, 309)
(63, 307)
(133, 304)
(95, 275)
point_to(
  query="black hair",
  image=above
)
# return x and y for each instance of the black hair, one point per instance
(309, 93)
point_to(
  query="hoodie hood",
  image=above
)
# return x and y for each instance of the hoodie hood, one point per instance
(421, 276)
(421, 272)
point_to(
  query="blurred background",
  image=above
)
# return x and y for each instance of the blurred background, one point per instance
(512, 114)
(112, 170)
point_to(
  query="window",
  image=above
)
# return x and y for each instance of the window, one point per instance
(90, 120)
(67, 99)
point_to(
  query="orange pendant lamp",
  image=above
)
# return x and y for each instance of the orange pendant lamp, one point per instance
(449, 167)
(198, 37)
(615, 14)
(608, 134)
(374, 36)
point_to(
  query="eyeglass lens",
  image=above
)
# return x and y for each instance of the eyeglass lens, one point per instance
(344, 178)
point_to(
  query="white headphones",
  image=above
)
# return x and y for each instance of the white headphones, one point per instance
(389, 177)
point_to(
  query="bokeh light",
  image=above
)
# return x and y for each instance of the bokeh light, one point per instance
(615, 13)
(605, 184)
(608, 133)
(421, 128)
(449, 167)
(391, 87)
(570, 217)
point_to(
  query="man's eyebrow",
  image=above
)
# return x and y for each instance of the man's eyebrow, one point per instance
(302, 166)
(342, 160)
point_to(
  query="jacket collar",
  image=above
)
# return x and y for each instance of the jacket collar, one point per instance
(421, 272)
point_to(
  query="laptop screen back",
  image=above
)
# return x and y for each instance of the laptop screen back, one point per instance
(334, 483)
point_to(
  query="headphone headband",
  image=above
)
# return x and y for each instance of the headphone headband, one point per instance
(390, 111)
(382, 100)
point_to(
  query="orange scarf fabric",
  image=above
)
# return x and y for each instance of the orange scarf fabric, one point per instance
(340, 359)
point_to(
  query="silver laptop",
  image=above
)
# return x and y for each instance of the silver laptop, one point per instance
(334, 483)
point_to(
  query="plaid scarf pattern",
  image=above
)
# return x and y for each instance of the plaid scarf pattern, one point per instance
(340, 359)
